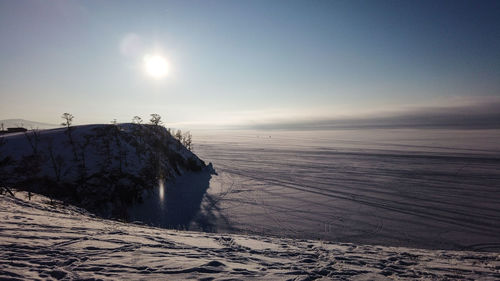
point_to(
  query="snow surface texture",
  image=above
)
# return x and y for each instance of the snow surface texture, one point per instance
(104, 168)
(46, 241)
(437, 189)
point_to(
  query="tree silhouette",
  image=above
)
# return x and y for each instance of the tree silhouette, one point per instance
(155, 119)
(137, 120)
(187, 140)
(68, 119)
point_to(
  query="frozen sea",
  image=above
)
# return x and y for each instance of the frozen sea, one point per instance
(424, 188)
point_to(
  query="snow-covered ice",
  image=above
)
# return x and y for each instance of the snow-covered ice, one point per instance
(46, 241)
(435, 189)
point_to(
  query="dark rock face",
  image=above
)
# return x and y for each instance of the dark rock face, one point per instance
(103, 168)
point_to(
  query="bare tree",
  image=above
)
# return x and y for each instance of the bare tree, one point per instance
(68, 119)
(33, 138)
(188, 141)
(82, 166)
(178, 135)
(4, 163)
(56, 161)
(155, 119)
(137, 120)
(34, 160)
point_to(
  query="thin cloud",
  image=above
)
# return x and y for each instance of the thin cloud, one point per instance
(473, 116)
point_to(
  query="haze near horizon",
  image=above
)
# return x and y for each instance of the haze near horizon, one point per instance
(258, 64)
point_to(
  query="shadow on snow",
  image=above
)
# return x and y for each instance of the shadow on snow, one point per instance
(178, 204)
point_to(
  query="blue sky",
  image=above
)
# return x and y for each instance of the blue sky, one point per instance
(245, 62)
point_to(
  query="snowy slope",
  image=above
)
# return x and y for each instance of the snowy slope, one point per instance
(43, 241)
(104, 168)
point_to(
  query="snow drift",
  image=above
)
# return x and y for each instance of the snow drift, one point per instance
(39, 240)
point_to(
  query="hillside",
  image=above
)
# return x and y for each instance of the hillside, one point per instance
(103, 168)
(39, 240)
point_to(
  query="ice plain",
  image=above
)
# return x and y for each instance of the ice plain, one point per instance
(424, 188)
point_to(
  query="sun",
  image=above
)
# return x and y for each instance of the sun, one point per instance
(156, 66)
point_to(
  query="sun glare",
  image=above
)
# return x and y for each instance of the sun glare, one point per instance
(156, 66)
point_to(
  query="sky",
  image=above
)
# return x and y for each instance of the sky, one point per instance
(253, 63)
